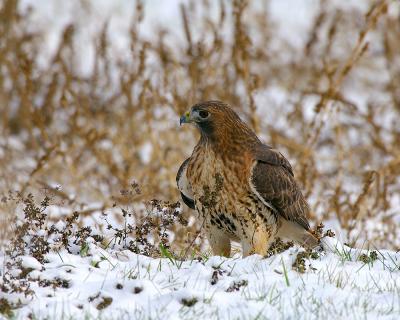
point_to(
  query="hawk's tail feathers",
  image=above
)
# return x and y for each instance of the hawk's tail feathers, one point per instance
(293, 231)
(309, 240)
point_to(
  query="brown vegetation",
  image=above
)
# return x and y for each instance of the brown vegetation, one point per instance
(87, 133)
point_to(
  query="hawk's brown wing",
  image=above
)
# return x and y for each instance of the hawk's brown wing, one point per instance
(273, 180)
(184, 186)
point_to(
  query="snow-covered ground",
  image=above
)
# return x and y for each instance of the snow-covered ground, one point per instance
(118, 284)
(86, 271)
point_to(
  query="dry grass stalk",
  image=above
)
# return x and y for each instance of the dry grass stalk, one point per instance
(95, 133)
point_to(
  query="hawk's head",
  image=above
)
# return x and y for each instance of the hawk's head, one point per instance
(214, 118)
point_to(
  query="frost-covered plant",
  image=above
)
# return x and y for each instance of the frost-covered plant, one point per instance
(36, 234)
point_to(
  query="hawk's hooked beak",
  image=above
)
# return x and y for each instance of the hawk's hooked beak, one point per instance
(185, 118)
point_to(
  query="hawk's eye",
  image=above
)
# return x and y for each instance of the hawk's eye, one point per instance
(203, 114)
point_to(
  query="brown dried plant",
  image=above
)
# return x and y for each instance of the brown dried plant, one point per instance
(87, 133)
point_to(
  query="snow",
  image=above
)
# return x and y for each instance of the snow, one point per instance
(121, 284)
(50, 18)
(28, 262)
(293, 15)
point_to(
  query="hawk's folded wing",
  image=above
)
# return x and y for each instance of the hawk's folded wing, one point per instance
(184, 185)
(273, 182)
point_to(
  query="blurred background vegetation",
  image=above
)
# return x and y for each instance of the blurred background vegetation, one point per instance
(82, 125)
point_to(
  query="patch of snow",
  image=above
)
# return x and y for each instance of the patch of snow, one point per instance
(145, 152)
(294, 19)
(333, 245)
(28, 262)
(121, 284)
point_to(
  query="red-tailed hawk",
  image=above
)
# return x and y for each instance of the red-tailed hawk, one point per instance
(242, 189)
